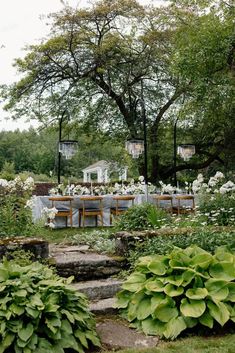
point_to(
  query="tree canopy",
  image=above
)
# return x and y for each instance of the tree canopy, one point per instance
(105, 61)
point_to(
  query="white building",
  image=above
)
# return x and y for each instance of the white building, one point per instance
(103, 170)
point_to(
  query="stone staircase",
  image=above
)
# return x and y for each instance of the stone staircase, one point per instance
(94, 274)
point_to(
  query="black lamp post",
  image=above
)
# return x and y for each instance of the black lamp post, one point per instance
(186, 151)
(137, 146)
(66, 148)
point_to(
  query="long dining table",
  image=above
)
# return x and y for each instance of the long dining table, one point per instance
(40, 202)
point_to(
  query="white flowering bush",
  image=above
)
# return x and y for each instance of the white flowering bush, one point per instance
(216, 199)
(16, 206)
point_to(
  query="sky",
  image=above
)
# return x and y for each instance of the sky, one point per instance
(23, 22)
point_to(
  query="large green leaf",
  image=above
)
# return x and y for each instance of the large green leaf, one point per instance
(217, 289)
(231, 295)
(165, 312)
(173, 291)
(135, 282)
(155, 286)
(192, 308)
(206, 319)
(152, 326)
(196, 293)
(3, 275)
(219, 312)
(176, 280)
(26, 332)
(223, 270)
(157, 267)
(187, 277)
(202, 260)
(174, 327)
(123, 298)
(156, 299)
(144, 309)
(179, 260)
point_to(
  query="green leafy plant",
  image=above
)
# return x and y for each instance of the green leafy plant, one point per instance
(15, 211)
(208, 240)
(98, 240)
(40, 312)
(166, 294)
(142, 216)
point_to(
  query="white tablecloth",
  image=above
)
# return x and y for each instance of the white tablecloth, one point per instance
(43, 201)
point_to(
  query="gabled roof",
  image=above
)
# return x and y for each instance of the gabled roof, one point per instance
(100, 164)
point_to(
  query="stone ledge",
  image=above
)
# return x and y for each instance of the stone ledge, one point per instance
(38, 247)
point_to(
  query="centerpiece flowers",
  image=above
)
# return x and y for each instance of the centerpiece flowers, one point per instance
(121, 188)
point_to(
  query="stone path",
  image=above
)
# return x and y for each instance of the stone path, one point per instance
(93, 276)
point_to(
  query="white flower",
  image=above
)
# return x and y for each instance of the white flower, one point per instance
(219, 175)
(141, 178)
(49, 212)
(3, 183)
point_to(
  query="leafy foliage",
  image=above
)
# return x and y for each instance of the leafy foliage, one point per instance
(15, 216)
(166, 294)
(207, 239)
(41, 313)
(142, 216)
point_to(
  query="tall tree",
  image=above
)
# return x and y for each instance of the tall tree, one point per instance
(96, 61)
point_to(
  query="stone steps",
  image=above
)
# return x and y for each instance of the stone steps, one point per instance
(92, 273)
(99, 289)
(87, 265)
(103, 307)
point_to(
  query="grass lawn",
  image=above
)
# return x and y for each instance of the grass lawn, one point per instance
(61, 235)
(215, 344)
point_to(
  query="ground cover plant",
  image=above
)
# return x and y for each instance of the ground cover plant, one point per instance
(207, 238)
(166, 294)
(41, 313)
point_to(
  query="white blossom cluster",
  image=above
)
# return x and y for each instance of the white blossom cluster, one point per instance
(167, 188)
(216, 184)
(17, 184)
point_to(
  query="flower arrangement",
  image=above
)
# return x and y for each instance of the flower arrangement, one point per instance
(118, 188)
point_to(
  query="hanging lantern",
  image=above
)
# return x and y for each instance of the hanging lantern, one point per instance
(135, 147)
(68, 148)
(186, 151)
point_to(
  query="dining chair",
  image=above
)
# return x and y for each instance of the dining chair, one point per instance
(183, 208)
(63, 210)
(92, 206)
(166, 199)
(121, 205)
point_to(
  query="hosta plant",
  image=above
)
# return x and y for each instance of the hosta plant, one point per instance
(165, 295)
(41, 313)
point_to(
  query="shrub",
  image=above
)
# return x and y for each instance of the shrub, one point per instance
(15, 215)
(41, 313)
(142, 216)
(169, 293)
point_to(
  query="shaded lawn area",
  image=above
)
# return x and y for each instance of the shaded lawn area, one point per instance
(215, 344)
(63, 235)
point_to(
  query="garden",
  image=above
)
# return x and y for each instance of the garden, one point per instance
(140, 96)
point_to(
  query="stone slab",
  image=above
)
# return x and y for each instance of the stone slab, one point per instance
(99, 289)
(116, 335)
(103, 307)
(87, 265)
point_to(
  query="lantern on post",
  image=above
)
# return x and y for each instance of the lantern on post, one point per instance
(135, 147)
(186, 151)
(68, 148)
